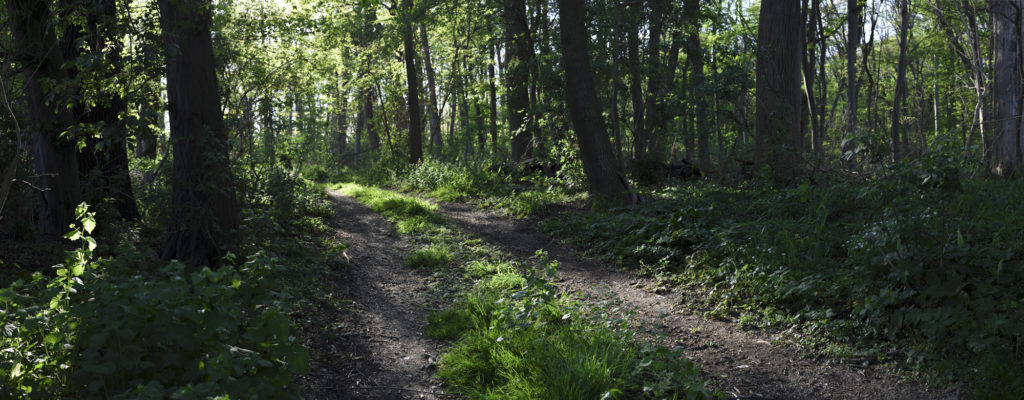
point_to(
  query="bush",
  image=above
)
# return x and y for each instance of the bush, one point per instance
(919, 266)
(122, 328)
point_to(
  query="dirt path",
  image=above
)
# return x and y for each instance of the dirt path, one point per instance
(377, 349)
(744, 364)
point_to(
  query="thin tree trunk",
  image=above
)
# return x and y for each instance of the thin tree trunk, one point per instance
(415, 134)
(493, 91)
(853, 26)
(635, 91)
(435, 115)
(695, 55)
(896, 134)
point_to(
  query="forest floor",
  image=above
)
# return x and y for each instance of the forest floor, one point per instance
(378, 349)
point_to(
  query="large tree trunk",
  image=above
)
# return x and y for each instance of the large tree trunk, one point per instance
(415, 137)
(435, 116)
(606, 181)
(895, 130)
(204, 210)
(518, 77)
(55, 158)
(779, 142)
(103, 162)
(1007, 140)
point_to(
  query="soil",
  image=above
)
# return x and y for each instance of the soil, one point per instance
(376, 348)
(744, 364)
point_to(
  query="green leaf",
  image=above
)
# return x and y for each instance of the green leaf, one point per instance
(10, 330)
(91, 242)
(77, 269)
(16, 371)
(89, 224)
(51, 339)
(73, 235)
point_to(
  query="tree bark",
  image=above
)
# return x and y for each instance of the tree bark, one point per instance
(435, 116)
(415, 136)
(518, 77)
(204, 210)
(605, 180)
(103, 163)
(779, 142)
(896, 127)
(635, 92)
(55, 158)
(493, 89)
(1006, 97)
(695, 56)
(853, 27)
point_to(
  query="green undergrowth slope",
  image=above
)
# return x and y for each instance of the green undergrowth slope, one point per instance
(114, 321)
(919, 267)
(506, 189)
(513, 336)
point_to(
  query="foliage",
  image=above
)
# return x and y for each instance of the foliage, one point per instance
(508, 189)
(520, 340)
(429, 257)
(517, 338)
(121, 328)
(919, 266)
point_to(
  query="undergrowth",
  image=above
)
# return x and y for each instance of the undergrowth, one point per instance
(501, 187)
(113, 321)
(514, 335)
(918, 266)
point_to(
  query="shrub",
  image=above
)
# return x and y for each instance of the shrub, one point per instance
(122, 328)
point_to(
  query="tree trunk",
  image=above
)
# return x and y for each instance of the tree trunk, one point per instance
(695, 56)
(341, 122)
(809, 60)
(435, 115)
(779, 142)
(371, 131)
(1006, 96)
(518, 77)
(204, 211)
(895, 130)
(55, 158)
(494, 100)
(853, 26)
(103, 162)
(655, 73)
(605, 180)
(635, 91)
(415, 135)
(360, 125)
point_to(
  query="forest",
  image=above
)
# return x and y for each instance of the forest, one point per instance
(512, 199)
